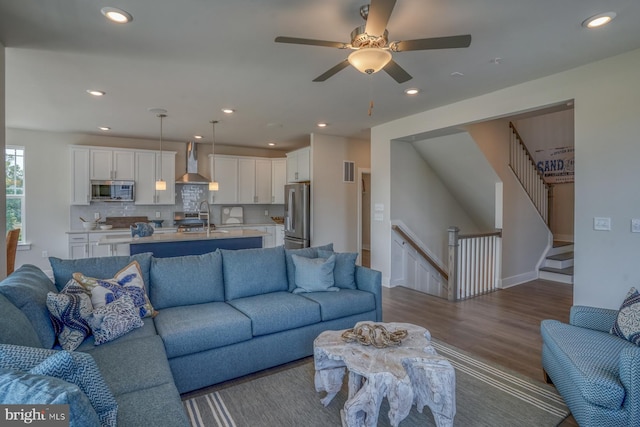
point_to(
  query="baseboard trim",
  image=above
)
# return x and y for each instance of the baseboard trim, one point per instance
(518, 279)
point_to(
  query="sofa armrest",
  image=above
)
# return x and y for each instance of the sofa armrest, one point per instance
(600, 319)
(371, 281)
(630, 378)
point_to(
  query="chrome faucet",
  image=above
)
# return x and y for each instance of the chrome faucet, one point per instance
(205, 215)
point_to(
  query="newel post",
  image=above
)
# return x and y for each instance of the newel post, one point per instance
(453, 262)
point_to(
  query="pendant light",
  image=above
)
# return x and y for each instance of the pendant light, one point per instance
(213, 185)
(161, 184)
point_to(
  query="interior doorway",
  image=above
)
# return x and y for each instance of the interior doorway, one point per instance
(364, 217)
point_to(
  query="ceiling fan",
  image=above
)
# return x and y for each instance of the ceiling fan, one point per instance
(371, 47)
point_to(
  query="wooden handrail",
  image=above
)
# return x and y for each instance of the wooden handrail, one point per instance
(422, 253)
(521, 141)
(487, 234)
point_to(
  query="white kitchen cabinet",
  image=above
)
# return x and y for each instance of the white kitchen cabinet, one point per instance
(254, 181)
(278, 180)
(78, 245)
(279, 235)
(80, 183)
(147, 167)
(106, 164)
(299, 165)
(98, 250)
(224, 169)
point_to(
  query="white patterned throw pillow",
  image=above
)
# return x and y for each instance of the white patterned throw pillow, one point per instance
(627, 324)
(115, 319)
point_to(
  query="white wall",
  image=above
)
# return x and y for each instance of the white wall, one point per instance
(334, 203)
(421, 201)
(3, 202)
(606, 133)
(525, 236)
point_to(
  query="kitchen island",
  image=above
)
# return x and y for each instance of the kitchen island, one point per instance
(175, 244)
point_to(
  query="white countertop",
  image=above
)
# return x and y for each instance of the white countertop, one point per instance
(176, 237)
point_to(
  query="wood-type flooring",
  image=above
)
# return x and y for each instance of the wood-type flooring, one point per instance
(501, 327)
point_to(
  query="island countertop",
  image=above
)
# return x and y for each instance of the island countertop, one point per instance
(181, 237)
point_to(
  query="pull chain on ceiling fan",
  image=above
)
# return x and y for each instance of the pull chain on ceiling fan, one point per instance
(372, 51)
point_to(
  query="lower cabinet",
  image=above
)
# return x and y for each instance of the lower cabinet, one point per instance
(268, 241)
(279, 234)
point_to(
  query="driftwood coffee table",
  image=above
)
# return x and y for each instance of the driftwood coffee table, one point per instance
(411, 373)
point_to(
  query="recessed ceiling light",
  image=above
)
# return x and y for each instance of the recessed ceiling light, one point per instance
(412, 91)
(271, 144)
(104, 128)
(197, 136)
(116, 15)
(323, 125)
(598, 20)
(96, 92)
(228, 110)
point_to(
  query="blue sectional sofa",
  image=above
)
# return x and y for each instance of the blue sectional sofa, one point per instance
(220, 315)
(597, 373)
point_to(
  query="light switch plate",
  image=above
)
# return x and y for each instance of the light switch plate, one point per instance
(378, 207)
(601, 223)
(635, 225)
(378, 217)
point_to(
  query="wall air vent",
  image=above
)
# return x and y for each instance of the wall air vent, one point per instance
(348, 172)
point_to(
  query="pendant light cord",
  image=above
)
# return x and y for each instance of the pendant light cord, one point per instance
(162, 116)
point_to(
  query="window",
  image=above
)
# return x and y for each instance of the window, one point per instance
(14, 161)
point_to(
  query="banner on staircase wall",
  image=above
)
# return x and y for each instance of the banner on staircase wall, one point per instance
(556, 164)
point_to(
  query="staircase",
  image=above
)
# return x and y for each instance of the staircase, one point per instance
(558, 265)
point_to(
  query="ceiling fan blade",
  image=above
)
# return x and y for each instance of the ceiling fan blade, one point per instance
(341, 66)
(312, 42)
(397, 72)
(432, 43)
(378, 18)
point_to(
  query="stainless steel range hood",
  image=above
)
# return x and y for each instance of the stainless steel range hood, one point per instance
(192, 176)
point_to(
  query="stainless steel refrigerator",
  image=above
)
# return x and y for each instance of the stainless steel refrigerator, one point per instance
(297, 215)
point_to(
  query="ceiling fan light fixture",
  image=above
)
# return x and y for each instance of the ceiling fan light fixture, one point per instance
(369, 60)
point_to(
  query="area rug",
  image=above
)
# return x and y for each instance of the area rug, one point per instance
(486, 395)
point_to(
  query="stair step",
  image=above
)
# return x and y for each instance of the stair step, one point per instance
(560, 250)
(559, 261)
(563, 275)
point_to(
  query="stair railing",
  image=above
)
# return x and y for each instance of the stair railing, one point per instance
(474, 263)
(531, 178)
(420, 251)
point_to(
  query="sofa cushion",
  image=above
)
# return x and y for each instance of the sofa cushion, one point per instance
(344, 273)
(27, 289)
(159, 405)
(194, 328)
(627, 324)
(305, 252)
(70, 311)
(186, 280)
(590, 359)
(102, 267)
(17, 387)
(127, 281)
(314, 274)
(15, 327)
(114, 320)
(277, 311)
(249, 272)
(347, 302)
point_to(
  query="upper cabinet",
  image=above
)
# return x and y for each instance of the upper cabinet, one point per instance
(109, 164)
(224, 169)
(254, 181)
(148, 170)
(299, 165)
(247, 180)
(278, 180)
(80, 183)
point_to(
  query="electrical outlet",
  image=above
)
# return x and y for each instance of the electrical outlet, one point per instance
(602, 224)
(266, 212)
(96, 215)
(45, 254)
(157, 214)
(635, 225)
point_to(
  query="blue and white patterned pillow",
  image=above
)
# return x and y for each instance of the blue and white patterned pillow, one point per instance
(74, 367)
(128, 281)
(69, 311)
(115, 319)
(627, 324)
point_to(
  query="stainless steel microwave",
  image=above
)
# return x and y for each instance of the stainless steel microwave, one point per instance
(112, 191)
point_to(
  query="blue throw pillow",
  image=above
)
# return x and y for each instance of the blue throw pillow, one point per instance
(314, 274)
(344, 273)
(305, 252)
(20, 388)
(73, 367)
(114, 320)
(70, 311)
(27, 289)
